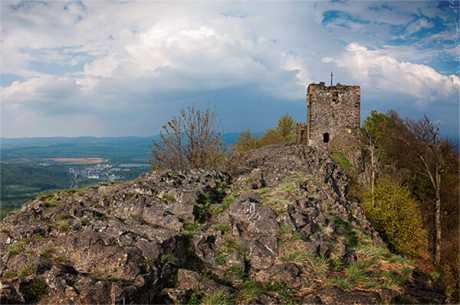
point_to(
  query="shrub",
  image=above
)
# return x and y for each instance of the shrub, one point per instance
(341, 159)
(396, 216)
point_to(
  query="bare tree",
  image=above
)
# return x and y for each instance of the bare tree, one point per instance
(189, 140)
(374, 161)
(431, 159)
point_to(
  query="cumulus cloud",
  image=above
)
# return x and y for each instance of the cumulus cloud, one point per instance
(123, 65)
(375, 68)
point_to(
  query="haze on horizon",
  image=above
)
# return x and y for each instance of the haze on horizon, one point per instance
(118, 68)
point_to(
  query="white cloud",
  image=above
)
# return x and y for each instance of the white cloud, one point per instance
(378, 70)
(116, 59)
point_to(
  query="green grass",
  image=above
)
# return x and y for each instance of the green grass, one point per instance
(219, 297)
(235, 271)
(195, 298)
(284, 292)
(10, 274)
(342, 282)
(63, 225)
(16, 248)
(250, 291)
(26, 270)
(319, 264)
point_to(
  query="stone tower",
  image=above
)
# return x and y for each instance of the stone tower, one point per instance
(333, 114)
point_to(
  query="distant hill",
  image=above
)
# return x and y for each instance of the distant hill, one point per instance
(113, 148)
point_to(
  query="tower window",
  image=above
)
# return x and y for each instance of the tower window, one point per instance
(326, 137)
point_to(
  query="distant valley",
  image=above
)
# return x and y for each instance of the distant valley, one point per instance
(30, 166)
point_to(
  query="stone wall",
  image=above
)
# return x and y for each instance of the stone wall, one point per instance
(333, 112)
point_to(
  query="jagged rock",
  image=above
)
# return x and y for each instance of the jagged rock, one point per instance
(281, 230)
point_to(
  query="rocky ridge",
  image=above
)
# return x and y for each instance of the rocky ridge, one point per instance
(278, 230)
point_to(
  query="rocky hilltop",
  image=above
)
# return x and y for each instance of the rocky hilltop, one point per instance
(279, 230)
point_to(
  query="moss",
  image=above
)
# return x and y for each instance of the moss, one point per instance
(16, 248)
(219, 297)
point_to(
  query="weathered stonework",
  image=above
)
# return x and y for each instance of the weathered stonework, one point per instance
(333, 113)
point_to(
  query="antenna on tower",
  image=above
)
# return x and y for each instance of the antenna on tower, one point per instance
(331, 78)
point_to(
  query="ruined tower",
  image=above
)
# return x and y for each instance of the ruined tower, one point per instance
(333, 114)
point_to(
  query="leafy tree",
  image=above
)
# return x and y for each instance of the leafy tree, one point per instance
(286, 128)
(271, 136)
(189, 140)
(245, 142)
(395, 214)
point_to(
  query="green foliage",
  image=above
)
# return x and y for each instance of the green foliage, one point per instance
(195, 298)
(284, 132)
(271, 136)
(221, 258)
(342, 160)
(286, 128)
(38, 288)
(219, 297)
(245, 142)
(191, 229)
(342, 282)
(217, 209)
(396, 215)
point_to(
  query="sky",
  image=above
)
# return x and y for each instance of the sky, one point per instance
(123, 68)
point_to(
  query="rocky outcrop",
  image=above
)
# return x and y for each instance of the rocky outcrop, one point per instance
(279, 230)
